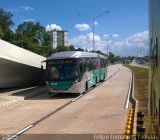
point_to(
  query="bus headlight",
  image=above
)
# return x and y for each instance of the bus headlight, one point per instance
(75, 81)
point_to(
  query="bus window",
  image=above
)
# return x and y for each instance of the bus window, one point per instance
(90, 64)
(53, 73)
(62, 70)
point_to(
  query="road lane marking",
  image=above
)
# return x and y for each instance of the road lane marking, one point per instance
(129, 91)
(77, 97)
(19, 133)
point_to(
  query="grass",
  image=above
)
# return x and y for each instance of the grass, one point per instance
(141, 81)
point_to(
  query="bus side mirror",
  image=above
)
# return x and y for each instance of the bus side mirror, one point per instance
(42, 63)
(41, 67)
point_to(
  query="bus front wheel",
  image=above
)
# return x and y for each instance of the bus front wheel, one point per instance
(86, 86)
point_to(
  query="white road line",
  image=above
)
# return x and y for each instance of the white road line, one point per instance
(77, 98)
(20, 132)
(129, 91)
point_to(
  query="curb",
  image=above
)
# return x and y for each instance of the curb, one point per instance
(30, 92)
(135, 106)
(20, 96)
(128, 130)
(133, 121)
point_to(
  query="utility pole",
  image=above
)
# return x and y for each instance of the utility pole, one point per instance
(93, 28)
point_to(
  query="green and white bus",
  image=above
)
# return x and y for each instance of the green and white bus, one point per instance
(74, 71)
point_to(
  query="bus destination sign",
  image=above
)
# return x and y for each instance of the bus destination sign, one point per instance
(56, 62)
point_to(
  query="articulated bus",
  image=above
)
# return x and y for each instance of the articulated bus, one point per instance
(74, 71)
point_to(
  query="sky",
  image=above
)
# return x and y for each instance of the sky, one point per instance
(124, 28)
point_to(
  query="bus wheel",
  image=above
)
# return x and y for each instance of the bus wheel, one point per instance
(86, 86)
(95, 82)
(104, 77)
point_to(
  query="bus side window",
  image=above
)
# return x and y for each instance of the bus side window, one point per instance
(82, 69)
(90, 64)
(84, 65)
(93, 63)
(87, 64)
(80, 65)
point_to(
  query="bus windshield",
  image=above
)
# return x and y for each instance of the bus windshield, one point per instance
(62, 71)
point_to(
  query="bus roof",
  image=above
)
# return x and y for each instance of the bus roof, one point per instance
(71, 54)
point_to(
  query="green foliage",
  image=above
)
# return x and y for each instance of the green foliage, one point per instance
(1, 33)
(130, 58)
(6, 20)
(9, 35)
(5, 23)
(34, 32)
(61, 48)
(33, 37)
(72, 48)
(112, 58)
(80, 49)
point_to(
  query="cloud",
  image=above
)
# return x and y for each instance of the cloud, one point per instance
(106, 36)
(80, 42)
(119, 44)
(95, 23)
(27, 20)
(130, 46)
(52, 27)
(82, 27)
(12, 10)
(27, 8)
(133, 44)
(84, 41)
(90, 37)
(139, 37)
(115, 35)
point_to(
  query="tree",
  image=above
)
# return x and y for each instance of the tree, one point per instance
(5, 22)
(80, 49)
(61, 48)
(130, 58)
(111, 57)
(1, 33)
(33, 32)
(33, 36)
(72, 48)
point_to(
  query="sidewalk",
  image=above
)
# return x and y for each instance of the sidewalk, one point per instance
(8, 98)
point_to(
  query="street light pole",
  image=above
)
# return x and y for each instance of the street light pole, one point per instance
(101, 14)
(93, 28)
(107, 47)
(93, 37)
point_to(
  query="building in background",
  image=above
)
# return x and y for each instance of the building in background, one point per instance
(59, 37)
